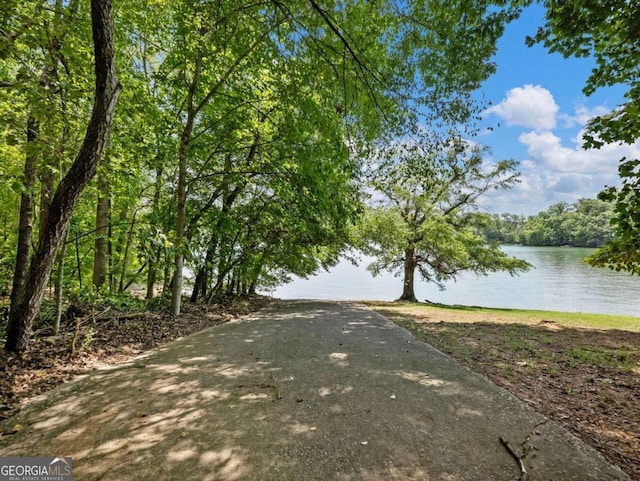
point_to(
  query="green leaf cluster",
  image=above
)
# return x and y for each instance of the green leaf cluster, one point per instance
(608, 32)
(586, 223)
(424, 216)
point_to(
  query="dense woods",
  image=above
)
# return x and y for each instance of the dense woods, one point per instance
(218, 147)
(236, 148)
(586, 223)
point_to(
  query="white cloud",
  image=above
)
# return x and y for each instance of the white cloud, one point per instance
(557, 168)
(541, 187)
(530, 106)
(556, 172)
(569, 183)
(582, 115)
(546, 148)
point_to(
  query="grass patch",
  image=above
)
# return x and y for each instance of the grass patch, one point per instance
(522, 316)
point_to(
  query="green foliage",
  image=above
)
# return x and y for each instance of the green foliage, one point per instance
(607, 31)
(618, 255)
(586, 223)
(503, 228)
(117, 301)
(427, 220)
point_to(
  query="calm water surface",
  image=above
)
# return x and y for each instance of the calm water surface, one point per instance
(559, 281)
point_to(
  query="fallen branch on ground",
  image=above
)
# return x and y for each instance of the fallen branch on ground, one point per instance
(517, 457)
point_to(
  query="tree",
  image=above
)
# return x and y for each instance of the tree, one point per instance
(609, 32)
(68, 191)
(504, 228)
(238, 149)
(586, 223)
(427, 220)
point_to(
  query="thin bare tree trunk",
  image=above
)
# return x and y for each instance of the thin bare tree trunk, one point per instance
(176, 288)
(25, 228)
(46, 190)
(155, 253)
(78, 261)
(181, 221)
(59, 287)
(125, 257)
(102, 232)
(110, 251)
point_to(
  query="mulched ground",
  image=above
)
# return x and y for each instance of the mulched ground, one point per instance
(586, 379)
(104, 337)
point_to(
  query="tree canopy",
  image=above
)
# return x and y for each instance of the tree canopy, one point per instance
(426, 217)
(608, 32)
(237, 147)
(586, 223)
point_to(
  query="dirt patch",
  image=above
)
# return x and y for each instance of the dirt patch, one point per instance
(586, 379)
(103, 338)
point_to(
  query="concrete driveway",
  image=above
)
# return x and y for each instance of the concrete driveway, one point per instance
(303, 390)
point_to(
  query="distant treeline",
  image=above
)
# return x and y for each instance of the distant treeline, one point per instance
(586, 223)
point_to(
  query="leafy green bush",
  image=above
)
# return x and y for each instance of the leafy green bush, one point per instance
(116, 301)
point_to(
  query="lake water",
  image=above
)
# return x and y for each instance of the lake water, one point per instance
(559, 281)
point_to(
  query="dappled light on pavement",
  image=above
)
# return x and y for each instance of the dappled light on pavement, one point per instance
(302, 391)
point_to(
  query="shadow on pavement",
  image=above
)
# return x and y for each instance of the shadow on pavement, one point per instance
(301, 391)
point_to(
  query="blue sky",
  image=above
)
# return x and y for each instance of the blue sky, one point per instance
(536, 116)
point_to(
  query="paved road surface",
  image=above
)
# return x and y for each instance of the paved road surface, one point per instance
(303, 390)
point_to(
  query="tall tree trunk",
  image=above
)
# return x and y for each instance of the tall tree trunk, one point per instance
(46, 191)
(154, 256)
(202, 277)
(166, 280)
(78, 260)
(102, 232)
(409, 273)
(25, 228)
(151, 274)
(125, 256)
(59, 287)
(181, 218)
(71, 186)
(199, 285)
(185, 139)
(110, 268)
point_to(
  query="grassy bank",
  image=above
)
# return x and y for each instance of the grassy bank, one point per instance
(582, 370)
(519, 316)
